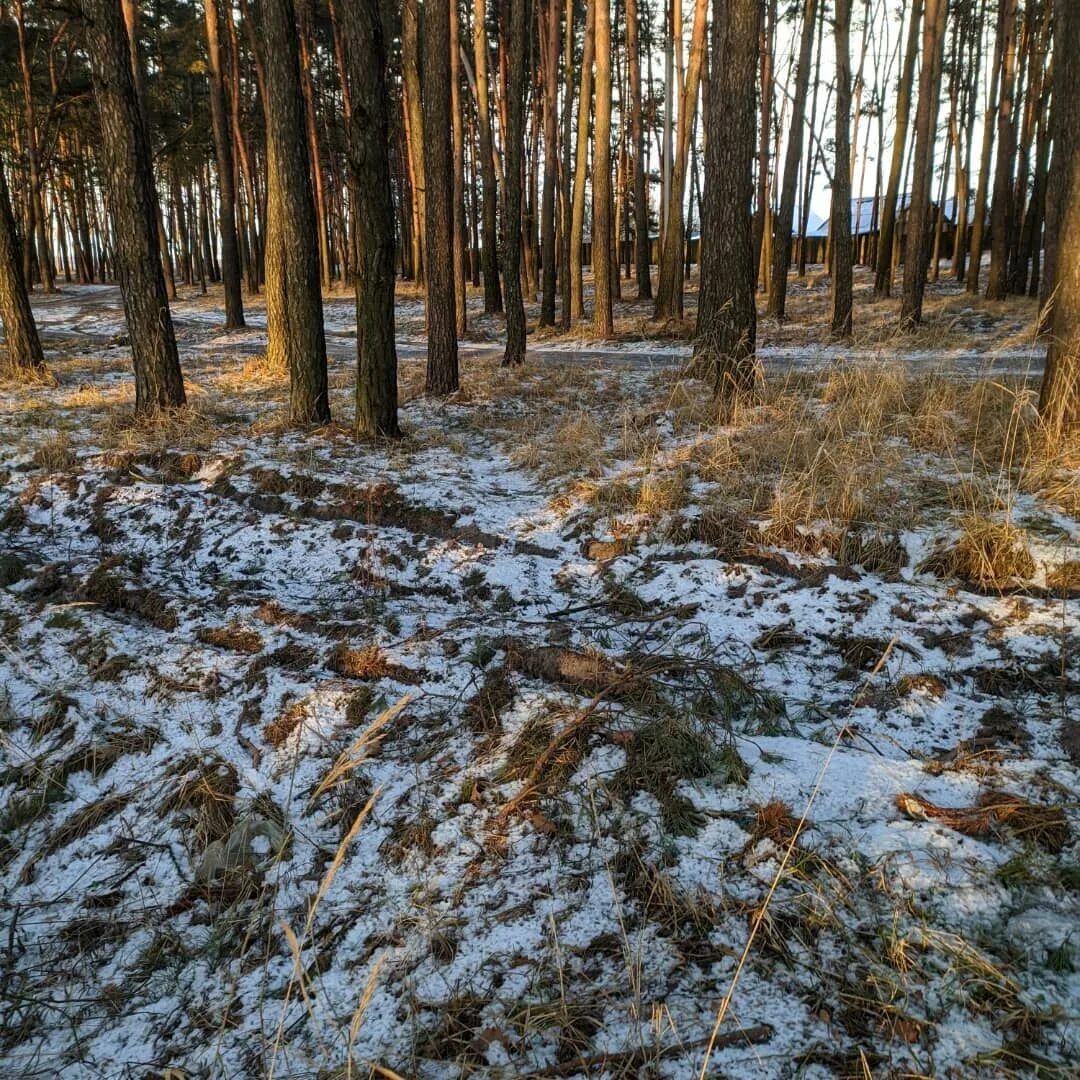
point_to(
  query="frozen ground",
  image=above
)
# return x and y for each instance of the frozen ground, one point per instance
(483, 754)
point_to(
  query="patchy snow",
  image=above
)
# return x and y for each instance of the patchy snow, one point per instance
(194, 635)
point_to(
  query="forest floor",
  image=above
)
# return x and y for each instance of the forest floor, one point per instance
(513, 748)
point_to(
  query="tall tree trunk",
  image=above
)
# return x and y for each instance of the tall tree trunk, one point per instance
(785, 216)
(668, 290)
(442, 359)
(461, 241)
(125, 155)
(727, 314)
(1001, 223)
(519, 23)
(493, 303)
(130, 9)
(840, 230)
(766, 36)
(581, 167)
(412, 100)
(603, 323)
(369, 164)
(294, 316)
(33, 153)
(305, 34)
(551, 55)
(20, 332)
(978, 224)
(1059, 402)
(637, 152)
(567, 165)
(887, 229)
(916, 246)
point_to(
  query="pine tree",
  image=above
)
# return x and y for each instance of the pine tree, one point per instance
(369, 163)
(125, 154)
(727, 315)
(1059, 402)
(20, 331)
(442, 361)
(294, 317)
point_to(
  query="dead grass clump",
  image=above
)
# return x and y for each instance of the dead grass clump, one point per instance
(483, 712)
(585, 673)
(1065, 577)
(186, 428)
(108, 591)
(661, 900)
(774, 821)
(989, 555)
(56, 455)
(97, 758)
(369, 663)
(662, 493)
(875, 551)
(273, 614)
(206, 791)
(575, 446)
(84, 821)
(278, 731)
(233, 637)
(994, 812)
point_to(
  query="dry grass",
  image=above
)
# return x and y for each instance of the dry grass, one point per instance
(368, 662)
(993, 813)
(233, 637)
(988, 555)
(55, 455)
(189, 428)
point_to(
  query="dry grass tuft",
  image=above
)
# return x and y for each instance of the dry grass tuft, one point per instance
(994, 812)
(56, 455)
(369, 663)
(991, 556)
(206, 791)
(1065, 577)
(233, 637)
(187, 428)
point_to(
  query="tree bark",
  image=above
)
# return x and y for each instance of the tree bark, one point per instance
(551, 55)
(843, 257)
(20, 331)
(125, 154)
(567, 166)
(519, 22)
(916, 240)
(727, 315)
(603, 323)
(369, 164)
(887, 229)
(294, 316)
(442, 359)
(1059, 402)
(781, 255)
(461, 241)
(669, 284)
(581, 168)
(412, 99)
(1001, 213)
(493, 303)
(637, 153)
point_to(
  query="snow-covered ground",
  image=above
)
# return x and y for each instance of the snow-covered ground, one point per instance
(486, 753)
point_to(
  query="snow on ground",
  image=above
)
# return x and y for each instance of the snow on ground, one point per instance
(482, 754)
